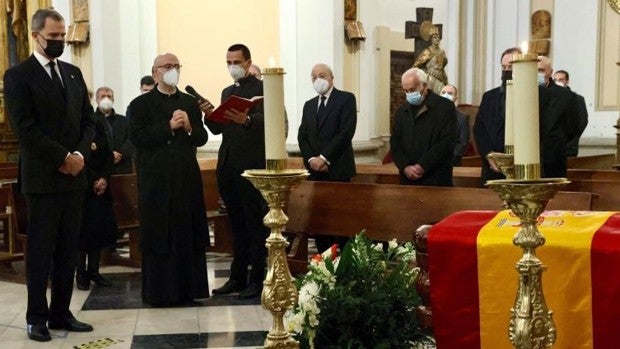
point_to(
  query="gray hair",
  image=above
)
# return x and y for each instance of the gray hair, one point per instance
(417, 72)
(39, 17)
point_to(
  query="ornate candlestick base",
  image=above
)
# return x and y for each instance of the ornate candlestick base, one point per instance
(531, 322)
(506, 163)
(279, 292)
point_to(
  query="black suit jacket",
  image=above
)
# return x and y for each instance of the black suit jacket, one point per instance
(243, 147)
(48, 125)
(489, 129)
(332, 138)
(120, 140)
(559, 122)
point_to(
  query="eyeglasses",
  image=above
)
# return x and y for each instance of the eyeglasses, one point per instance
(169, 66)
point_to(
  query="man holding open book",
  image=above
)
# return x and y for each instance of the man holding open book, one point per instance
(242, 148)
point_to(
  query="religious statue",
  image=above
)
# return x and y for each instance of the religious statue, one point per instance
(432, 61)
(541, 25)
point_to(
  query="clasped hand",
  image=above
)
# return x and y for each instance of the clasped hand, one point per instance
(318, 164)
(100, 185)
(180, 120)
(73, 165)
(414, 172)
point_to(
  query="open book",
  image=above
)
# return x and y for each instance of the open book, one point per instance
(233, 102)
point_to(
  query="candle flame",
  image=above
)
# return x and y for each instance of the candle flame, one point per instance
(524, 46)
(272, 62)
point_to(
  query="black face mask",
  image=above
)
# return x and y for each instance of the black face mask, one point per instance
(54, 47)
(506, 75)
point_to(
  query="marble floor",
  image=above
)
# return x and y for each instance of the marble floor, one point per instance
(122, 321)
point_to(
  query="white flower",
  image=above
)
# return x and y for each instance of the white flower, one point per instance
(392, 245)
(377, 247)
(308, 292)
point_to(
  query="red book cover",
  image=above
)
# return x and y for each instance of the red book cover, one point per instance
(233, 102)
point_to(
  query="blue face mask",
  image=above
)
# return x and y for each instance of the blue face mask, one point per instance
(414, 98)
(541, 79)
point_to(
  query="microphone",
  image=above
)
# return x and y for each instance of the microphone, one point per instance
(193, 92)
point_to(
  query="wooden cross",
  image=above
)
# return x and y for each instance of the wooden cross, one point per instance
(419, 29)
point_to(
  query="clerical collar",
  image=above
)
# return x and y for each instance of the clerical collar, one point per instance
(244, 80)
(166, 93)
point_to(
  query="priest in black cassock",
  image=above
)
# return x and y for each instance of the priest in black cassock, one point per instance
(166, 128)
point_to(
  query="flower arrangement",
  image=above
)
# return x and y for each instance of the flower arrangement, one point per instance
(364, 298)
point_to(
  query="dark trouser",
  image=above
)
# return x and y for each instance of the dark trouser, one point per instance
(246, 208)
(53, 235)
(93, 262)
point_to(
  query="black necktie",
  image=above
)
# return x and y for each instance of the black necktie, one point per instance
(320, 114)
(55, 78)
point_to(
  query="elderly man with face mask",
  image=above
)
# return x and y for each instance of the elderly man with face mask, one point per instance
(424, 134)
(117, 130)
(327, 128)
(166, 128)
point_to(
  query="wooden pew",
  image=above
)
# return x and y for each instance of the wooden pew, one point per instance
(124, 189)
(385, 211)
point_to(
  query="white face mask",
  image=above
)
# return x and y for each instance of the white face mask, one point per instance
(560, 83)
(106, 104)
(171, 77)
(236, 71)
(448, 96)
(320, 86)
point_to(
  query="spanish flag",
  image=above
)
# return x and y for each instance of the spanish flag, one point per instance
(474, 281)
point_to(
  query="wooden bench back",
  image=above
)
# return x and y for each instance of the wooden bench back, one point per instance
(125, 195)
(391, 211)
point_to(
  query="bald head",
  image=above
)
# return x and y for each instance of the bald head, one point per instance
(544, 67)
(161, 65)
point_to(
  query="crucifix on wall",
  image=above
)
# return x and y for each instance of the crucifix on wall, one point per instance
(420, 30)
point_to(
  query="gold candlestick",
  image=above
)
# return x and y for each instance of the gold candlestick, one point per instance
(505, 162)
(531, 322)
(279, 292)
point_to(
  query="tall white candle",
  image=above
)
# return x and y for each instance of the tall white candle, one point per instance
(275, 134)
(509, 136)
(526, 118)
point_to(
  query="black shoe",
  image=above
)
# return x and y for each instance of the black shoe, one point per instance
(70, 324)
(39, 333)
(252, 291)
(82, 282)
(231, 286)
(100, 281)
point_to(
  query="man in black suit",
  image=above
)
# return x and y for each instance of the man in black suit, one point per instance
(48, 105)
(117, 126)
(562, 79)
(490, 121)
(462, 124)
(424, 134)
(242, 148)
(327, 128)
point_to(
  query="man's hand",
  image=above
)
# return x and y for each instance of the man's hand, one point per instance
(117, 157)
(73, 165)
(492, 163)
(178, 119)
(205, 106)
(414, 172)
(237, 116)
(100, 186)
(318, 164)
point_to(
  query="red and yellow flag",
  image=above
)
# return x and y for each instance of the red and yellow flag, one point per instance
(474, 281)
